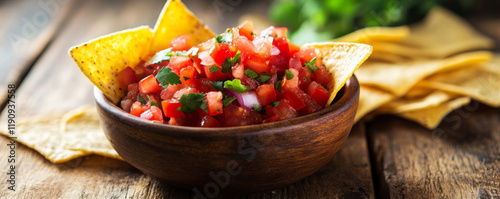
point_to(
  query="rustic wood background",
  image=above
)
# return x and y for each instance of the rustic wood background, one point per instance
(387, 157)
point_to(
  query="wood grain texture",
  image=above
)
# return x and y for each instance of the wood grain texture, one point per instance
(27, 28)
(459, 159)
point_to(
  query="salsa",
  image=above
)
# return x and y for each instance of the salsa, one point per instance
(241, 77)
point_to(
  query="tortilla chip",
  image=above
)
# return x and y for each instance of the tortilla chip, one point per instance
(83, 132)
(400, 78)
(370, 99)
(372, 34)
(418, 91)
(101, 59)
(42, 134)
(341, 60)
(481, 82)
(176, 20)
(387, 57)
(442, 34)
(400, 105)
(431, 117)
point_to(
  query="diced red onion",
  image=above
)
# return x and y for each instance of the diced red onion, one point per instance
(247, 99)
(275, 51)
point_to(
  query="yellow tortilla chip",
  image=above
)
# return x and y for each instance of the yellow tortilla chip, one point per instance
(103, 58)
(418, 91)
(341, 60)
(387, 57)
(82, 132)
(370, 99)
(42, 134)
(442, 34)
(481, 82)
(372, 34)
(176, 20)
(400, 78)
(431, 117)
(411, 104)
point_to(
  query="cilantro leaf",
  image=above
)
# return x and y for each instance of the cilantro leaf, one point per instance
(191, 102)
(214, 69)
(275, 103)
(235, 85)
(250, 73)
(227, 101)
(165, 76)
(229, 62)
(277, 86)
(152, 103)
(141, 100)
(236, 58)
(163, 55)
(186, 78)
(227, 38)
(204, 106)
(193, 51)
(257, 108)
(289, 74)
(310, 65)
(219, 85)
(264, 77)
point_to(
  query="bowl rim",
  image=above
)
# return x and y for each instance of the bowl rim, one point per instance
(351, 90)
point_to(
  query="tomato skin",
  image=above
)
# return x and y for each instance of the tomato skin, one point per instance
(245, 46)
(281, 31)
(157, 113)
(278, 64)
(149, 85)
(188, 75)
(274, 118)
(217, 76)
(209, 121)
(214, 103)
(291, 84)
(304, 73)
(294, 100)
(181, 43)
(246, 29)
(266, 94)
(256, 63)
(306, 54)
(282, 44)
(170, 108)
(127, 76)
(293, 48)
(311, 105)
(220, 53)
(322, 76)
(318, 93)
(179, 62)
(240, 116)
(204, 85)
(284, 110)
(137, 109)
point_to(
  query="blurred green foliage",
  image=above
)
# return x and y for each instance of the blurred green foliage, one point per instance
(320, 20)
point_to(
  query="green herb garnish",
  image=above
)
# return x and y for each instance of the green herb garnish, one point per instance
(152, 103)
(235, 85)
(310, 65)
(227, 101)
(289, 74)
(227, 38)
(264, 77)
(250, 73)
(229, 62)
(214, 69)
(219, 85)
(191, 102)
(165, 76)
(257, 108)
(142, 100)
(275, 103)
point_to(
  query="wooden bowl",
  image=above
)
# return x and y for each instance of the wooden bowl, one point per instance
(244, 159)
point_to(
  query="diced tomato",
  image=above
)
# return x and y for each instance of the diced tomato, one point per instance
(294, 100)
(304, 73)
(157, 114)
(293, 48)
(284, 110)
(274, 118)
(281, 31)
(148, 114)
(127, 76)
(306, 54)
(291, 84)
(217, 76)
(318, 93)
(207, 45)
(256, 63)
(214, 103)
(184, 91)
(181, 43)
(169, 92)
(263, 46)
(203, 85)
(240, 116)
(245, 46)
(149, 85)
(170, 108)
(179, 62)
(197, 65)
(238, 71)
(132, 91)
(282, 44)
(246, 29)
(268, 32)
(220, 53)
(137, 109)
(188, 75)
(208, 121)
(322, 76)
(266, 94)
(278, 64)
(311, 105)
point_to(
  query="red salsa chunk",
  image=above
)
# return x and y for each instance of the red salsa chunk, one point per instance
(241, 77)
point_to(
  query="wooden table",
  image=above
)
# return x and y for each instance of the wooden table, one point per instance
(387, 157)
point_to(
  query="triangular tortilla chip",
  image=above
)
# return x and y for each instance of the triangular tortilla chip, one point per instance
(103, 58)
(442, 34)
(176, 20)
(431, 117)
(404, 104)
(370, 99)
(400, 78)
(481, 82)
(373, 34)
(341, 60)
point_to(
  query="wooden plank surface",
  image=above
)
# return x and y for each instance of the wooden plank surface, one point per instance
(27, 28)
(459, 159)
(56, 84)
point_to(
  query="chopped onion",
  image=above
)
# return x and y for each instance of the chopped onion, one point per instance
(275, 51)
(247, 99)
(206, 59)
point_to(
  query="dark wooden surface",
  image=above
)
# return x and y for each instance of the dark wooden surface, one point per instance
(388, 157)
